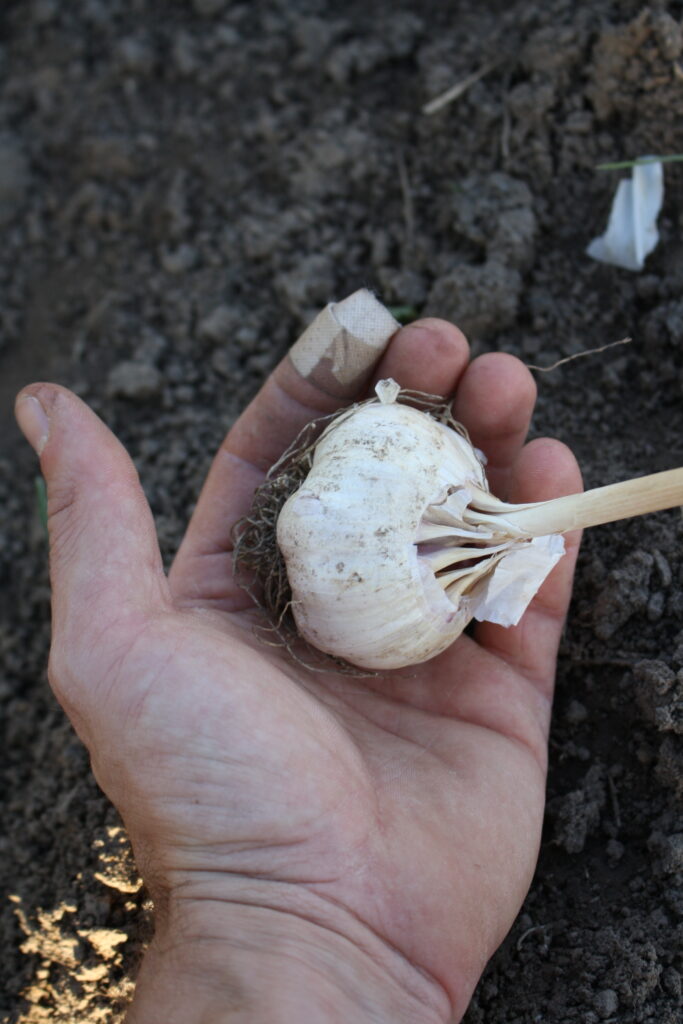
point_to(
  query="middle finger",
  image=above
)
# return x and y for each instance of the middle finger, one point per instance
(495, 401)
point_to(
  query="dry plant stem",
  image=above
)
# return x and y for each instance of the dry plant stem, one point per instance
(457, 90)
(579, 355)
(601, 505)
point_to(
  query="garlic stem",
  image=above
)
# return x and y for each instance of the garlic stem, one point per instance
(600, 505)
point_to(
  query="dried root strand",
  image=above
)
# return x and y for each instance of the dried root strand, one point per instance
(257, 561)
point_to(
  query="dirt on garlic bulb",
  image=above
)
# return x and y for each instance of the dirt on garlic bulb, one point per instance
(393, 542)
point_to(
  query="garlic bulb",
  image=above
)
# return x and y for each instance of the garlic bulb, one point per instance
(389, 544)
(393, 542)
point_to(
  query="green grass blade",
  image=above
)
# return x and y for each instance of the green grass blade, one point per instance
(404, 314)
(674, 158)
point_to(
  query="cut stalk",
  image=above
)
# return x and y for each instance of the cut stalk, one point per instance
(601, 505)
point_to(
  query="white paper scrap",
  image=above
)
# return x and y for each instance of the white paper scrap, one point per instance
(632, 229)
(516, 579)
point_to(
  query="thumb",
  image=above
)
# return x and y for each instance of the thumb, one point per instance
(105, 565)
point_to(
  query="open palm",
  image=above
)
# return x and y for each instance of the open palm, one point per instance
(401, 812)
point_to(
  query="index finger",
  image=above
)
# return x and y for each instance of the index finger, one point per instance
(329, 365)
(495, 402)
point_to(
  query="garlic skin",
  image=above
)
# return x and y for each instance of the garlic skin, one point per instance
(390, 545)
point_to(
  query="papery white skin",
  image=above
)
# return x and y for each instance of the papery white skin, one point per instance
(386, 478)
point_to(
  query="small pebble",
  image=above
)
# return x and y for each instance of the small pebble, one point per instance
(606, 1003)
(223, 362)
(615, 850)
(218, 325)
(177, 261)
(135, 56)
(136, 381)
(576, 712)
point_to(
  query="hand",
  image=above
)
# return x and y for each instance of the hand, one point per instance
(318, 847)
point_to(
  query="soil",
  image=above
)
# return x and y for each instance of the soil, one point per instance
(182, 185)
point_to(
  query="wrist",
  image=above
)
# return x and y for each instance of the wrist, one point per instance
(238, 963)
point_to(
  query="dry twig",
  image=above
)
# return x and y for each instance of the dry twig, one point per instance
(459, 88)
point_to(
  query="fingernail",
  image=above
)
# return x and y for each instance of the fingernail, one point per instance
(33, 422)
